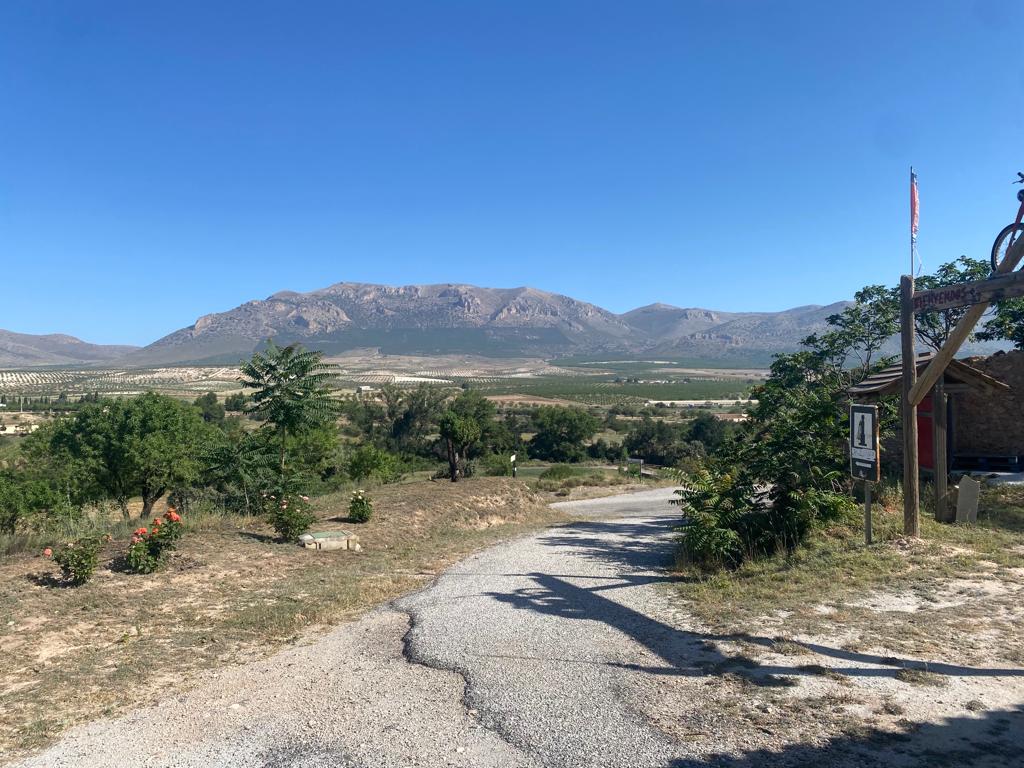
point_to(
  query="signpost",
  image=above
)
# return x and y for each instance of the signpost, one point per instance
(865, 452)
(512, 459)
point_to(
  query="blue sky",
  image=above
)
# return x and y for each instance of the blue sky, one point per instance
(163, 160)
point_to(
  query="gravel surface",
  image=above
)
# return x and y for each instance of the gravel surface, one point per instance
(512, 658)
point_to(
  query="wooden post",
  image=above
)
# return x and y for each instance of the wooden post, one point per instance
(939, 445)
(867, 513)
(911, 490)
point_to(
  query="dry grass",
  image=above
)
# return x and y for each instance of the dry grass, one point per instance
(230, 594)
(911, 596)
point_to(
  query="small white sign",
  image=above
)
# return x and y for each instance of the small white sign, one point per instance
(864, 443)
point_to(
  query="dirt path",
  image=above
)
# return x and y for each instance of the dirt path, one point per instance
(566, 649)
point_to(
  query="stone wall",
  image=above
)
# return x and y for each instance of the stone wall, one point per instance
(992, 424)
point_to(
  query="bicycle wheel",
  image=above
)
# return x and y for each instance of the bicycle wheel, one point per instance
(1002, 244)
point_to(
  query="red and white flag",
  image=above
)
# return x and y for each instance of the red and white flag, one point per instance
(914, 206)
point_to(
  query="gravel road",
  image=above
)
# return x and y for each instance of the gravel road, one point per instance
(521, 655)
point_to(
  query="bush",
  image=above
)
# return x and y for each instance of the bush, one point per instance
(77, 560)
(368, 462)
(497, 465)
(728, 521)
(150, 547)
(560, 472)
(290, 515)
(360, 508)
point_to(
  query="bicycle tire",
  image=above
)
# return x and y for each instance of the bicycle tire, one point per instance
(998, 251)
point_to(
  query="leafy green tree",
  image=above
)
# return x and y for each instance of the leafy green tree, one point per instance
(561, 433)
(240, 466)
(659, 442)
(370, 462)
(459, 433)
(25, 499)
(933, 328)
(210, 408)
(1006, 323)
(142, 446)
(708, 431)
(235, 402)
(290, 391)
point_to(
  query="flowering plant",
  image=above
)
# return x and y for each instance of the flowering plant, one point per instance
(360, 508)
(289, 514)
(150, 546)
(77, 560)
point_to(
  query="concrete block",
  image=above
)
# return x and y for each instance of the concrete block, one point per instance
(330, 540)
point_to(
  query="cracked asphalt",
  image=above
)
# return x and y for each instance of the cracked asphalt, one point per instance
(521, 655)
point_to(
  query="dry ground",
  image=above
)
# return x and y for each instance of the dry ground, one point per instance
(907, 652)
(229, 595)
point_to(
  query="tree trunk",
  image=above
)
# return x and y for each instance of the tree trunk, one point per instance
(284, 443)
(147, 507)
(453, 462)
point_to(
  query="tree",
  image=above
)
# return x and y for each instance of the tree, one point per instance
(289, 391)
(708, 430)
(235, 402)
(1006, 323)
(210, 408)
(459, 432)
(658, 442)
(142, 446)
(933, 328)
(561, 432)
(239, 465)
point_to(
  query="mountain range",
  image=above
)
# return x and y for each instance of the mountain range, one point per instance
(24, 350)
(445, 319)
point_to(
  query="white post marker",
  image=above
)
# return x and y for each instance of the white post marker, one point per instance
(865, 452)
(512, 458)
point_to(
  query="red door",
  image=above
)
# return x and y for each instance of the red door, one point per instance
(925, 441)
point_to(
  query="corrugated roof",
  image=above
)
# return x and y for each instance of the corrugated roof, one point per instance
(888, 381)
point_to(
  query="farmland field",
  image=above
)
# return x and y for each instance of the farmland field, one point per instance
(592, 383)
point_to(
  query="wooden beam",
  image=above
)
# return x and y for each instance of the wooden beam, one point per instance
(939, 448)
(911, 490)
(1009, 286)
(959, 334)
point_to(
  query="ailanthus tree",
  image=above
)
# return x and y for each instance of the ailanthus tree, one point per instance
(290, 391)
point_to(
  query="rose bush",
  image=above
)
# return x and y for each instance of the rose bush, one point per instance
(77, 560)
(150, 546)
(289, 514)
(360, 508)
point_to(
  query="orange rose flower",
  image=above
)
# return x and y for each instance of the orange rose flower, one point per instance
(47, 552)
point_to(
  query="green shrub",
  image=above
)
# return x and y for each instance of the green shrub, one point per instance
(290, 515)
(360, 508)
(150, 546)
(561, 472)
(370, 463)
(77, 560)
(727, 520)
(497, 465)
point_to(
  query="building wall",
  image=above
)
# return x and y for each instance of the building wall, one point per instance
(993, 424)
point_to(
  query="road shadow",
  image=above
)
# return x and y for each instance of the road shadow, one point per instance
(640, 549)
(991, 739)
(643, 544)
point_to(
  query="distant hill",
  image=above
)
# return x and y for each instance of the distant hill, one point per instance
(494, 322)
(22, 350)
